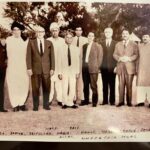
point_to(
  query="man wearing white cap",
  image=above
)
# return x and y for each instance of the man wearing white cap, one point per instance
(58, 43)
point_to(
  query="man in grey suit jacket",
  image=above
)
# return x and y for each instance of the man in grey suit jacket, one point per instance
(126, 53)
(92, 59)
(40, 65)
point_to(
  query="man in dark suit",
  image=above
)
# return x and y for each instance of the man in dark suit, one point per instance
(107, 68)
(40, 65)
(3, 65)
(91, 62)
(126, 54)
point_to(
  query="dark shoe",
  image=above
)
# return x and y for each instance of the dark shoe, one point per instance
(3, 110)
(94, 105)
(140, 104)
(84, 103)
(74, 102)
(15, 109)
(59, 103)
(74, 107)
(64, 106)
(120, 104)
(112, 104)
(129, 104)
(23, 108)
(47, 108)
(49, 103)
(104, 103)
(35, 109)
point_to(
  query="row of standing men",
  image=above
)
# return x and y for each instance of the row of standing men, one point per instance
(69, 66)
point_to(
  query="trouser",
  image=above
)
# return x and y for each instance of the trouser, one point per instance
(56, 85)
(79, 88)
(2, 81)
(143, 94)
(36, 80)
(68, 88)
(90, 79)
(125, 81)
(108, 81)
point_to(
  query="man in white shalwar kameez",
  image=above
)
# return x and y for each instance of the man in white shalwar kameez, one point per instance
(143, 74)
(58, 43)
(69, 71)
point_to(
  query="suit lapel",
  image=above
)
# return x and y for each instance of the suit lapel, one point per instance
(45, 46)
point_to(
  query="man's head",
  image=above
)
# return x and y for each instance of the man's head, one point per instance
(108, 33)
(125, 34)
(54, 29)
(91, 37)
(40, 32)
(69, 38)
(78, 31)
(17, 28)
(146, 38)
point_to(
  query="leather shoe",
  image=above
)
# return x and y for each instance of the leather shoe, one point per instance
(84, 103)
(94, 105)
(140, 104)
(3, 110)
(15, 109)
(120, 104)
(74, 107)
(59, 103)
(23, 108)
(129, 104)
(64, 106)
(47, 108)
(35, 109)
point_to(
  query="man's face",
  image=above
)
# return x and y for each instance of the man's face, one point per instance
(78, 31)
(146, 38)
(91, 37)
(55, 33)
(40, 33)
(16, 32)
(69, 39)
(125, 35)
(108, 33)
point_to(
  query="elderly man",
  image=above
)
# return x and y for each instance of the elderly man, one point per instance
(79, 41)
(92, 59)
(58, 43)
(40, 65)
(143, 73)
(69, 71)
(107, 68)
(126, 54)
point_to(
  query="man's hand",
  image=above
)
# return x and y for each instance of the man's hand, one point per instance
(51, 72)
(124, 59)
(77, 76)
(60, 76)
(30, 73)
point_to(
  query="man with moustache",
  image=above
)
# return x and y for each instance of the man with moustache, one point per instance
(126, 55)
(41, 65)
(58, 43)
(107, 68)
(143, 73)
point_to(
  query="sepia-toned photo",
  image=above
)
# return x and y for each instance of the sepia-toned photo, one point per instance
(74, 71)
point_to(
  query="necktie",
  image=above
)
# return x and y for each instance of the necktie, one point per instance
(69, 57)
(41, 48)
(78, 42)
(107, 44)
(125, 44)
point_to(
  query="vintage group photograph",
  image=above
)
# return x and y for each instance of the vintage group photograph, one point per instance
(74, 71)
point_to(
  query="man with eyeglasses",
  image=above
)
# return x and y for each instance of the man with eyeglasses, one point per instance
(40, 65)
